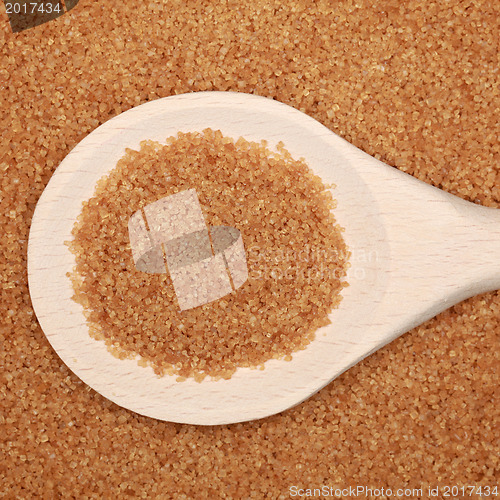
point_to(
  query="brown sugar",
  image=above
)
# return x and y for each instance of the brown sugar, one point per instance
(295, 255)
(415, 84)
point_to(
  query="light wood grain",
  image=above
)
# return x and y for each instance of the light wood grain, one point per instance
(416, 251)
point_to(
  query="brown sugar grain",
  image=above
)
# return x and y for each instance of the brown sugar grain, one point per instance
(295, 255)
(415, 84)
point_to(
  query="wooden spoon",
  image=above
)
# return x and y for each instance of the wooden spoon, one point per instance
(416, 251)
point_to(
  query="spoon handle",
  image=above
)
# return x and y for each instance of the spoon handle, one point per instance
(443, 249)
(481, 246)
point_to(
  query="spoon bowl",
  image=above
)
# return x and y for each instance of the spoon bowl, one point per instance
(416, 251)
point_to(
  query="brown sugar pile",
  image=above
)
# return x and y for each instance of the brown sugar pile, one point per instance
(295, 255)
(415, 84)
